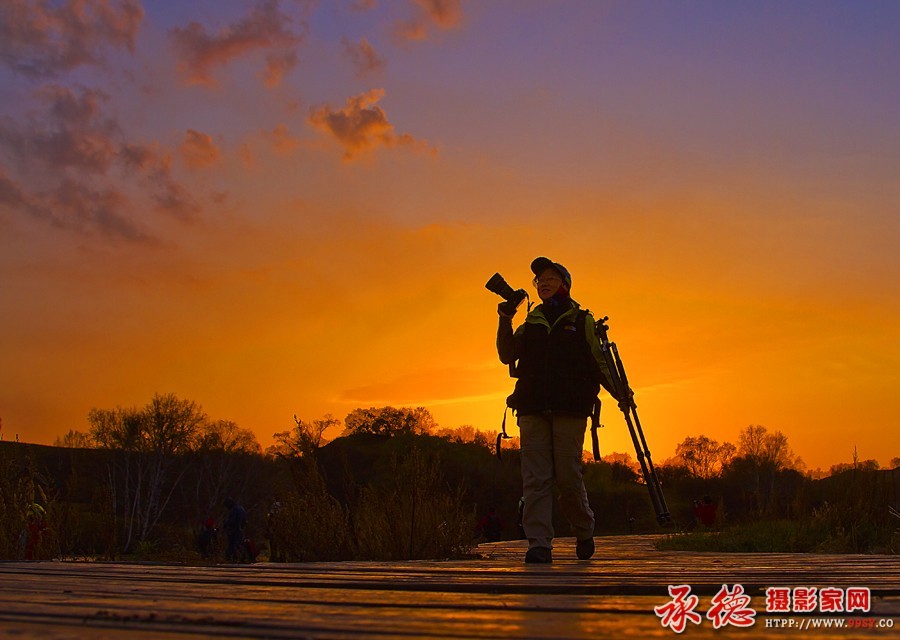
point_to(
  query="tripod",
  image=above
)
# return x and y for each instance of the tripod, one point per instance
(625, 397)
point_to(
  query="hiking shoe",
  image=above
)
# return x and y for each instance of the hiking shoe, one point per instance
(539, 555)
(584, 549)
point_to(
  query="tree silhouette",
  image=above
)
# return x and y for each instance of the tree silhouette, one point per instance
(220, 445)
(75, 439)
(762, 458)
(304, 439)
(388, 421)
(703, 457)
(151, 443)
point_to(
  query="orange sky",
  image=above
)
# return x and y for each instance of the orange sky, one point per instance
(272, 223)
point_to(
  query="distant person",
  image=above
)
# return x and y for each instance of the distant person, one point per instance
(706, 511)
(559, 368)
(272, 531)
(35, 528)
(234, 524)
(491, 525)
(206, 540)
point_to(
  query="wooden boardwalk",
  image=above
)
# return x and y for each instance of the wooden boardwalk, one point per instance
(497, 596)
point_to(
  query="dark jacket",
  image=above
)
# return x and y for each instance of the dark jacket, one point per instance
(559, 366)
(235, 520)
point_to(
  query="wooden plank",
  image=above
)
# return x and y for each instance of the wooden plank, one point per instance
(496, 596)
(612, 572)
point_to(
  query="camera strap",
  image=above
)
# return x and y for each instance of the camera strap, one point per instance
(502, 435)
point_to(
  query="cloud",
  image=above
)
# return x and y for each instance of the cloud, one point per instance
(168, 196)
(43, 39)
(265, 28)
(70, 132)
(362, 125)
(363, 56)
(62, 153)
(70, 167)
(282, 141)
(198, 150)
(277, 66)
(361, 6)
(175, 200)
(444, 14)
(74, 206)
(246, 155)
(11, 194)
(438, 385)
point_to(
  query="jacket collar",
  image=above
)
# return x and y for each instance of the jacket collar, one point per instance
(536, 315)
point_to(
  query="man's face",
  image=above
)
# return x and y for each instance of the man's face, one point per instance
(547, 283)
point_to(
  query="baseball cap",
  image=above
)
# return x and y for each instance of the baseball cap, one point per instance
(541, 264)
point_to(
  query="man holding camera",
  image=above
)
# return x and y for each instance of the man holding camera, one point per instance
(559, 366)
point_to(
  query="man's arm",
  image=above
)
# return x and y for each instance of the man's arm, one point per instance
(507, 341)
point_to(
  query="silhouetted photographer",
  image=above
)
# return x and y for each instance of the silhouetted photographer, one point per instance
(557, 360)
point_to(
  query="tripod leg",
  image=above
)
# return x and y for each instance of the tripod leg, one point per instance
(653, 485)
(648, 473)
(622, 392)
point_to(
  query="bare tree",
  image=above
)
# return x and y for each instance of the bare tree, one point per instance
(227, 436)
(703, 457)
(152, 443)
(767, 449)
(304, 439)
(219, 447)
(767, 454)
(75, 439)
(119, 430)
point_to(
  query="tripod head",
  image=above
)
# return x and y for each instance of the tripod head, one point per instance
(601, 327)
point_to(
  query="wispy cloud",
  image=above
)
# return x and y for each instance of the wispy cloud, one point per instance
(363, 56)
(439, 385)
(283, 142)
(266, 28)
(277, 66)
(43, 39)
(362, 125)
(70, 131)
(154, 166)
(198, 150)
(75, 207)
(362, 6)
(69, 164)
(444, 14)
(12, 196)
(78, 207)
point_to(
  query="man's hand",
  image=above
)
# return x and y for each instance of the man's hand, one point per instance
(506, 310)
(627, 399)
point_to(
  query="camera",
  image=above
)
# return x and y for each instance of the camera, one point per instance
(513, 297)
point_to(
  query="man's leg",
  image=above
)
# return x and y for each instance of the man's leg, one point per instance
(568, 443)
(537, 479)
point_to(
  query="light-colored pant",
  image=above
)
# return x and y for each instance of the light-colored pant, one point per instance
(551, 452)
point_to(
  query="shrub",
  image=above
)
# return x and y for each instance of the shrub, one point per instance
(310, 523)
(413, 515)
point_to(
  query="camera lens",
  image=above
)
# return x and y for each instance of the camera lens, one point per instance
(498, 285)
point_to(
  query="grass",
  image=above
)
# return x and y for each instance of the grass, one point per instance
(814, 535)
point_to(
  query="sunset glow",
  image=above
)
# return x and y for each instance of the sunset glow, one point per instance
(290, 207)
